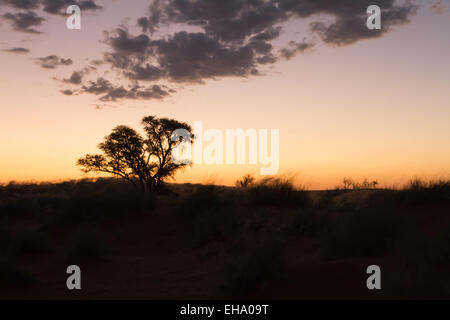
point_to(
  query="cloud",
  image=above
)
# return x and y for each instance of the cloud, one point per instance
(51, 6)
(350, 25)
(67, 92)
(53, 61)
(295, 48)
(184, 57)
(60, 6)
(214, 39)
(236, 20)
(21, 4)
(17, 50)
(75, 78)
(24, 21)
(110, 92)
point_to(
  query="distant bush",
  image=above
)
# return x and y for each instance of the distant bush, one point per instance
(350, 184)
(279, 192)
(246, 181)
(418, 191)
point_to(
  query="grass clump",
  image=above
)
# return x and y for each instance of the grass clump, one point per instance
(277, 192)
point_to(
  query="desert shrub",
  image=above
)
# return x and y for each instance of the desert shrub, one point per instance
(351, 184)
(363, 233)
(12, 276)
(246, 181)
(74, 200)
(418, 191)
(31, 242)
(86, 244)
(279, 192)
(249, 264)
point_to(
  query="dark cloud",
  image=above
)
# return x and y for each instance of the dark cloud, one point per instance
(24, 21)
(146, 73)
(53, 61)
(295, 48)
(75, 78)
(67, 92)
(51, 6)
(236, 20)
(100, 86)
(184, 56)
(193, 57)
(60, 6)
(350, 26)
(122, 41)
(17, 50)
(232, 38)
(21, 4)
(110, 92)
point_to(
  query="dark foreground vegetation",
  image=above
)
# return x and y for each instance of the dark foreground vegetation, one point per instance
(258, 240)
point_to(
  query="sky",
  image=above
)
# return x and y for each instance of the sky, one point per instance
(347, 101)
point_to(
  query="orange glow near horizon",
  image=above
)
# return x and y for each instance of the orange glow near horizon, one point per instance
(378, 109)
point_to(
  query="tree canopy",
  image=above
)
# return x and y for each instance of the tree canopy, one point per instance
(144, 161)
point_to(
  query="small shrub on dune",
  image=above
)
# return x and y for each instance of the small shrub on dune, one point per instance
(277, 192)
(418, 191)
(246, 181)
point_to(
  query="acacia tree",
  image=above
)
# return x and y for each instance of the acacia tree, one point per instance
(143, 161)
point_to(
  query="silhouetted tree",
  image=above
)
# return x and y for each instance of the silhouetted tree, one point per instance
(144, 161)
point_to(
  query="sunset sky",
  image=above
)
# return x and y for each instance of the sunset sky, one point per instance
(348, 101)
